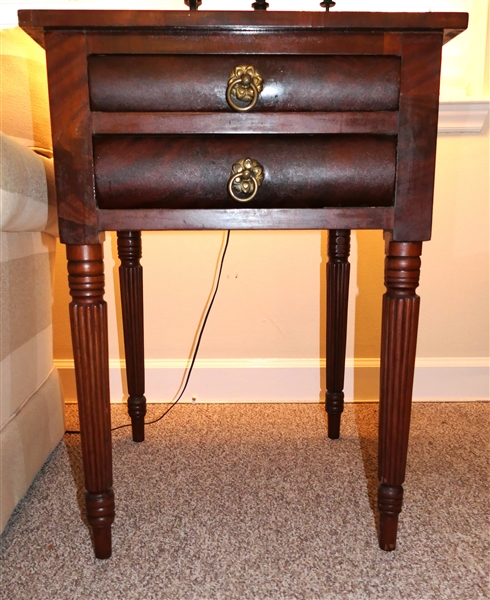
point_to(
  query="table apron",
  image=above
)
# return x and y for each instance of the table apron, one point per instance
(177, 219)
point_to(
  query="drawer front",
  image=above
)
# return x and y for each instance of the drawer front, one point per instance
(199, 83)
(194, 172)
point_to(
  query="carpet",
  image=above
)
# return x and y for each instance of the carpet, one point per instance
(240, 502)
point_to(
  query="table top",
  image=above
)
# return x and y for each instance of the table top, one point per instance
(37, 21)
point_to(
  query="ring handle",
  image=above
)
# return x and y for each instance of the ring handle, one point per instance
(244, 85)
(236, 180)
(245, 179)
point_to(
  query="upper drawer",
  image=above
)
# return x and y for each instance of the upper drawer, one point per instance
(200, 83)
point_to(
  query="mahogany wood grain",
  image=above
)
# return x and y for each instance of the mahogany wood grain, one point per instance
(131, 282)
(193, 171)
(398, 345)
(72, 140)
(243, 22)
(392, 44)
(136, 123)
(338, 270)
(88, 317)
(169, 82)
(253, 42)
(419, 107)
(247, 218)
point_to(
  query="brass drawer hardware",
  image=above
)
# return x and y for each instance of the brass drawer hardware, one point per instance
(245, 85)
(246, 178)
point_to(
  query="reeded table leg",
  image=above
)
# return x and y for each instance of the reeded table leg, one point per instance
(131, 280)
(338, 269)
(88, 316)
(398, 345)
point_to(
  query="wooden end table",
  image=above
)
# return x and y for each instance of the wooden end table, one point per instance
(242, 120)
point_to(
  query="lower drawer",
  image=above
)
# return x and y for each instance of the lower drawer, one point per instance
(202, 171)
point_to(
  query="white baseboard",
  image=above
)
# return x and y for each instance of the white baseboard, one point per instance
(292, 380)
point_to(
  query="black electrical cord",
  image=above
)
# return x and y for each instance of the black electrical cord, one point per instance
(196, 349)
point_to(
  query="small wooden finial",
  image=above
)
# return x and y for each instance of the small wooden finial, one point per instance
(193, 4)
(260, 5)
(327, 4)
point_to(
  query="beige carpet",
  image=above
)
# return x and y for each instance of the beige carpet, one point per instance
(242, 502)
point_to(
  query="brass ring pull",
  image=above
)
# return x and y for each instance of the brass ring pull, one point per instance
(245, 179)
(245, 85)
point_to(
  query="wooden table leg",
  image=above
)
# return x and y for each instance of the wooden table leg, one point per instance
(88, 316)
(131, 281)
(338, 269)
(398, 345)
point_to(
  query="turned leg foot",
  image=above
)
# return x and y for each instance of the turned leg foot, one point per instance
(131, 280)
(137, 412)
(390, 499)
(398, 345)
(334, 405)
(100, 515)
(338, 269)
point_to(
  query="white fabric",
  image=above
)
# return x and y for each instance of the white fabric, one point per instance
(31, 403)
(27, 441)
(27, 202)
(20, 245)
(23, 372)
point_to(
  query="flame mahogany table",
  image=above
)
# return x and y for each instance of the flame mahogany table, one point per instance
(242, 120)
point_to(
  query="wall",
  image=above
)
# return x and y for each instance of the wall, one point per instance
(264, 340)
